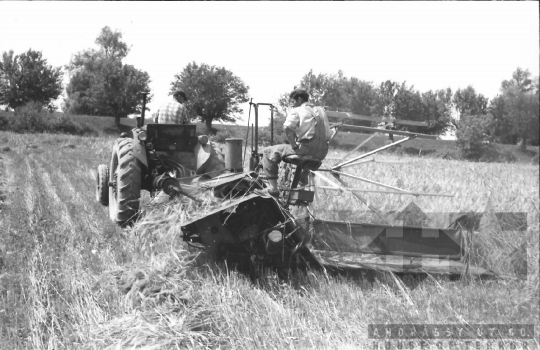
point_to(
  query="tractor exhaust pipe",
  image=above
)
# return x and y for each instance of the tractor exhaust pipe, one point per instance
(140, 120)
(233, 155)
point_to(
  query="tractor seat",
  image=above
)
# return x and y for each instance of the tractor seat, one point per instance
(306, 162)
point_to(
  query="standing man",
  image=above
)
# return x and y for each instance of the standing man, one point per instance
(308, 136)
(174, 111)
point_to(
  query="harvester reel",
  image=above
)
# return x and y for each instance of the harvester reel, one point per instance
(102, 186)
(124, 183)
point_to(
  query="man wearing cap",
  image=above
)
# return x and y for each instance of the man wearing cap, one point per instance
(174, 111)
(308, 137)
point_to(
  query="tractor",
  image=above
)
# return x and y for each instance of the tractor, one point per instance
(248, 228)
(153, 158)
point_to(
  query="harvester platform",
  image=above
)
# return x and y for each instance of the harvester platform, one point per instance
(258, 228)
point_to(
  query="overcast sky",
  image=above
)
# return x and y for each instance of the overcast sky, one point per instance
(271, 45)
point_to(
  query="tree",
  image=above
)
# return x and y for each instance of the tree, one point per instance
(214, 93)
(337, 93)
(100, 84)
(515, 110)
(384, 102)
(408, 104)
(472, 135)
(326, 90)
(27, 77)
(390, 99)
(437, 111)
(468, 102)
(395, 100)
(360, 96)
(502, 125)
(521, 80)
(521, 105)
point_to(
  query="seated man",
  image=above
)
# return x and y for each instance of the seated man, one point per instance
(308, 135)
(174, 111)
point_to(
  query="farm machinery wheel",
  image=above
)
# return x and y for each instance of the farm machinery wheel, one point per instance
(102, 186)
(124, 183)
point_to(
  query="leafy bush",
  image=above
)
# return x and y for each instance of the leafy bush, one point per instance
(34, 118)
(507, 156)
(265, 136)
(4, 121)
(490, 155)
(222, 135)
(473, 137)
(64, 124)
(448, 154)
(535, 160)
(493, 154)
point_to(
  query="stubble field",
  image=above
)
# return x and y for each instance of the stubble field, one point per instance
(71, 279)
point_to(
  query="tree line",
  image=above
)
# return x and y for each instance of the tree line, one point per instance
(510, 117)
(100, 83)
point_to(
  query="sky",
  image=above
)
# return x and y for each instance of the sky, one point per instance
(271, 45)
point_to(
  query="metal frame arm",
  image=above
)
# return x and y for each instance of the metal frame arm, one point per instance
(337, 167)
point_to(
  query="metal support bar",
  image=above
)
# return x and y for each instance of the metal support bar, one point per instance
(256, 129)
(363, 143)
(179, 191)
(394, 132)
(324, 178)
(247, 134)
(388, 192)
(256, 108)
(337, 167)
(361, 161)
(369, 181)
(361, 199)
(271, 125)
(345, 115)
(357, 147)
(344, 187)
(368, 160)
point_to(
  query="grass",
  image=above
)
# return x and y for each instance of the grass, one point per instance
(70, 279)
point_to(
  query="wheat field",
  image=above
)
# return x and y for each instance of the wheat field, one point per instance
(70, 279)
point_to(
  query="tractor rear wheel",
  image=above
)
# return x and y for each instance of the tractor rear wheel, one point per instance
(102, 186)
(125, 183)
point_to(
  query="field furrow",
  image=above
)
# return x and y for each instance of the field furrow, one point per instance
(30, 196)
(69, 278)
(94, 231)
(58, 204)
(54, 233)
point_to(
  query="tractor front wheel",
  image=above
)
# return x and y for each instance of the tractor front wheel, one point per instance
(102, 186)
(124, 183)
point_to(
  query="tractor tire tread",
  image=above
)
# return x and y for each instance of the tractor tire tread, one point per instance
(128, 182)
